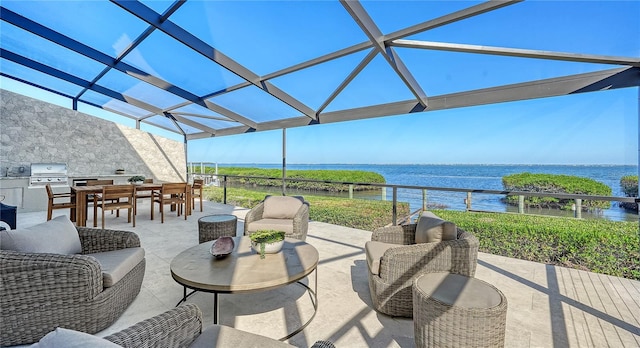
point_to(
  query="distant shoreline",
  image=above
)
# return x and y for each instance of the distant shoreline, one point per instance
(481, 177)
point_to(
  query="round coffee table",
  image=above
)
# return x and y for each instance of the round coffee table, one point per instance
(243, 271)
(214, 226)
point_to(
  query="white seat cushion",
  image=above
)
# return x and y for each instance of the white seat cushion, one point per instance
(72, 339)
(56, 236)
(431, 228)
(375, 250)
(117, 263)
(281, 207)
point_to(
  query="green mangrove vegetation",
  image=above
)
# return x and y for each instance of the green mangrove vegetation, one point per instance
(356, 176)
(629, 186)
(601, 246)
(551, 183)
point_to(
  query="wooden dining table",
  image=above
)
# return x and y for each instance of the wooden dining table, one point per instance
(82, 192)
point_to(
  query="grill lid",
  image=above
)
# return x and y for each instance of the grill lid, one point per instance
(48, 173)
(49, 169)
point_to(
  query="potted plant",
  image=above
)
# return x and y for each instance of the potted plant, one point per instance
(267, 241)
(120, 171)
(136, 179)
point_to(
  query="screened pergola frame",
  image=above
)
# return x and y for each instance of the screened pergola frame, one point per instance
(203, 112)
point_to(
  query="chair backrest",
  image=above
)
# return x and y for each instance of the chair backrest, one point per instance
(198, 183)
(99, 182)
(49, 191)
(174, 188)
(282, 207)
(148, 181)
(118, 191)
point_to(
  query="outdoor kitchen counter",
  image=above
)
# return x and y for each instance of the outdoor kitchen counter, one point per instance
(15, 190)
(117, 178)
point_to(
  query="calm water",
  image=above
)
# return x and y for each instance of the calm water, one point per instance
(485, 177)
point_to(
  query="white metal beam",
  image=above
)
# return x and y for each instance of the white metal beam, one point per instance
(434, 23)
(193, 42)
(369, 27)
(450, 18)
(517, 52)
(348, 80)
(565, 85)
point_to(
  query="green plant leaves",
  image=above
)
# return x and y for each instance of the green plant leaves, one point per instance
(552, 183)
(601, 246)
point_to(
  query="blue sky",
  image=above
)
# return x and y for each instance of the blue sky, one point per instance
(594, 128)
(590, 128)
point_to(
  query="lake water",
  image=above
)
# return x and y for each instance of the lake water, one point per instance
(483, 177)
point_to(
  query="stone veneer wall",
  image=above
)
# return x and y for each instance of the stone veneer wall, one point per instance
(33, 131)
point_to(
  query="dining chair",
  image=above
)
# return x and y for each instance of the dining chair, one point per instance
(171, 193)
(196, 191)
(68, 203)
(145, 194)
(95, 197)
(141, 194)
(116, 197)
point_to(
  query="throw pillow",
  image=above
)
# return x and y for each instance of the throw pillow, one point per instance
(432, 229)
(57, 236)
(72, 339)
(281, 207)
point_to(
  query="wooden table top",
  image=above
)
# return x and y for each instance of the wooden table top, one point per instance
(243, 270)
(98, 188)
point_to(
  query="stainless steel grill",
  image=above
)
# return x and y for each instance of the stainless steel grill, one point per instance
(49, 173)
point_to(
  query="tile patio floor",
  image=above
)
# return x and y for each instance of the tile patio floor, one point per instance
(547, 306)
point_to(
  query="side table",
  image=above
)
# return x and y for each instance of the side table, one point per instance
(212, 227)
(451, 310)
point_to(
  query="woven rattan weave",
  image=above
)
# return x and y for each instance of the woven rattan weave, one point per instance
(445, 323)
(391, 288)
(215, 226)
(179, 327)
(43, 291)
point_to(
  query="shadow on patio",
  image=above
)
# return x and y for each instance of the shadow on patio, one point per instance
(548, 306)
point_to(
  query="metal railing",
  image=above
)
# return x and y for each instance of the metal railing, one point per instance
(222, 180)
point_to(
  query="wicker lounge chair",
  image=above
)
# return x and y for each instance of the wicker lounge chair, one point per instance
(182, 327)
(282, 213)
(394, 261)
(42, 291)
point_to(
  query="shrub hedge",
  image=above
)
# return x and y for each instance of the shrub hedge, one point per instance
(322, 175)
(602, 246)
(629, 186)
(552, 183)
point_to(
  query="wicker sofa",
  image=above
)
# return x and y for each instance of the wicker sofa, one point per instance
(283, 213)
(182, 327)
(42, 291)
(394, 260)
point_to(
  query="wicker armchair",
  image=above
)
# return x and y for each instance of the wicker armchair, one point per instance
(181, 326)
(255, 220)
(402, 261)
(42, 291)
